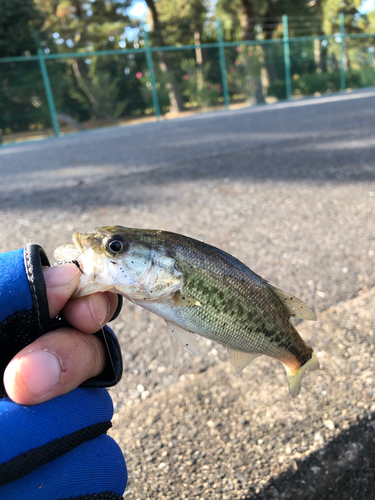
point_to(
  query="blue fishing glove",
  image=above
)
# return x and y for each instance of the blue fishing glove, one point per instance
(58, 449)
(24, 314)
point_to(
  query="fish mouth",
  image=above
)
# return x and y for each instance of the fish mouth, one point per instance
(82, 245)
(88, 247)
(78, 240)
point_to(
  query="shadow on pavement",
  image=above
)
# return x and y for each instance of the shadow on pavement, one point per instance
(284, 163)
(343, 470)
(322, 142)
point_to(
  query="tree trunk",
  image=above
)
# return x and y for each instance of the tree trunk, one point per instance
(248, 33)
(174, 94)
(317, 53)
(199, 59)
(320, 55)
(269, 59)
(83, 86)
(247, 21)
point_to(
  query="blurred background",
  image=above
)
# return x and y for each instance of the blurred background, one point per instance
(269, 154)
(74, 65)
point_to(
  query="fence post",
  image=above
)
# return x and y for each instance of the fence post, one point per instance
(150, 66)
(223, 66)
(47, 85)
(342, 53)
(288, 80)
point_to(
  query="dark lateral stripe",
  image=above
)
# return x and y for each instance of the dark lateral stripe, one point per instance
(23, 464)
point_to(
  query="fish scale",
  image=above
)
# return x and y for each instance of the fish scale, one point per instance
(237, 323)
(198, 289)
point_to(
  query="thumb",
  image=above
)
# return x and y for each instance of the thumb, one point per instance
(61, 281)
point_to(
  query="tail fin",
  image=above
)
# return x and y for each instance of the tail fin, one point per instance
(294, 378)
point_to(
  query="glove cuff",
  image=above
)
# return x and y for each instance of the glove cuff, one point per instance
(35, 259)
(112, 372)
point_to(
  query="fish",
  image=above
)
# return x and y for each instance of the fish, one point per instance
(197, 289)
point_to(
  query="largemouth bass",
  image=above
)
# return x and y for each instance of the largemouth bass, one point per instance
(197, 289)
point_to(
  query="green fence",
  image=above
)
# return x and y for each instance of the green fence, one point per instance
(51, 94)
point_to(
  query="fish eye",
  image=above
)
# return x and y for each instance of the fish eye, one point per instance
(116, 245)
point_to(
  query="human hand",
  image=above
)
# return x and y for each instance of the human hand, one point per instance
(59, 361)
(58, 449)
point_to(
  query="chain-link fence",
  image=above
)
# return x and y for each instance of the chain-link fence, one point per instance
(52, 94)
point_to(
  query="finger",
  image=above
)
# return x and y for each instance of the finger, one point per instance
(61, 281)
(54, 364)
(89, 314)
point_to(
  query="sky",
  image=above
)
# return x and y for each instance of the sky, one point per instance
(367, 5)
(139, 9)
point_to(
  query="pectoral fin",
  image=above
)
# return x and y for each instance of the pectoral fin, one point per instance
(240, 359)
(187, 339)
(294, 306)
(180, 299)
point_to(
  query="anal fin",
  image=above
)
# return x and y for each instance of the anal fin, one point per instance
(187, 339)
(240, 359)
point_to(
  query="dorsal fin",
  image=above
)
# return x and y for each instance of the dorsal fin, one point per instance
(295, 307)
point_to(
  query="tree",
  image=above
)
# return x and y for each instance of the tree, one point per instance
(85, 25)
(22, 98)
(240, 18)
(252, 19)
(329, 12)
(80, 26)
(177, 22)
(180, 20)
(18, 19)
(165, 64)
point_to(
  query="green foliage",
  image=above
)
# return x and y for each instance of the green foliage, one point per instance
(18, 19)
(277, 89)
(109, 90)
(244, 72)
(263, 17)
(330, 11)
(198, 90)
(96, 87)
(146, 90)
(22, 97)
(131, 101)
(310, 84)
(356, 79)
(86, 25)
(178, 21)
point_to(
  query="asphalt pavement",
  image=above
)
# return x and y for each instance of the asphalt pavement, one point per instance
(287, 188)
